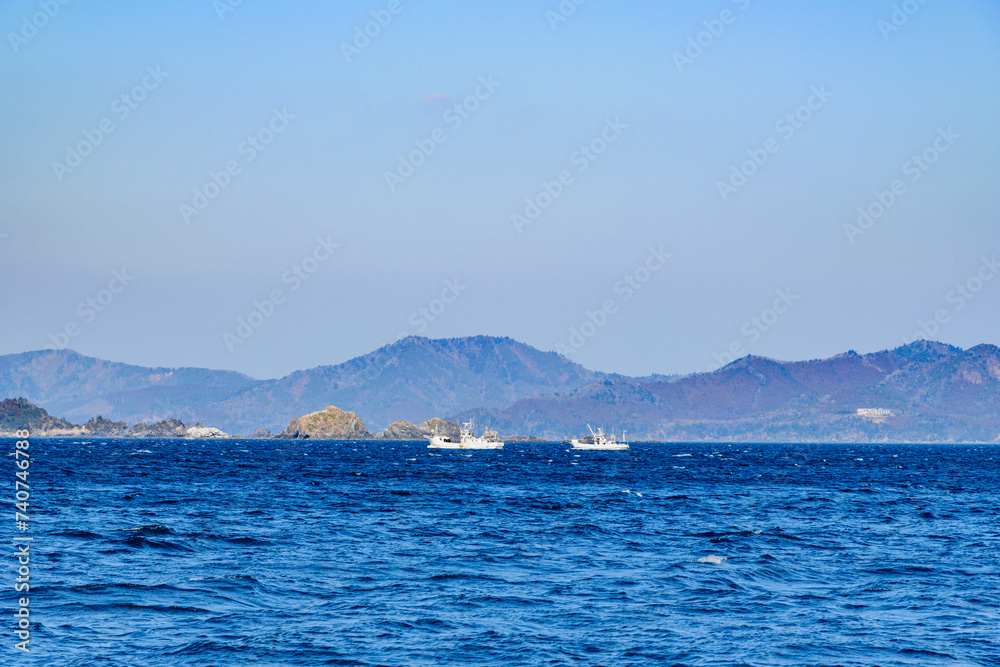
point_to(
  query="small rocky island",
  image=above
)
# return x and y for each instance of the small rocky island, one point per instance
(330, 423)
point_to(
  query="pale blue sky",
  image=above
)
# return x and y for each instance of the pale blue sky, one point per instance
(656, 184)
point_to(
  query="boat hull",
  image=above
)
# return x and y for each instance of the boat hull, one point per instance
(577, 444)
(438, 442)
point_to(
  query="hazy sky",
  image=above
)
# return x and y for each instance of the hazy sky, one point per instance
(526, 169)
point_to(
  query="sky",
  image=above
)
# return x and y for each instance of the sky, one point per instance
(646, 187)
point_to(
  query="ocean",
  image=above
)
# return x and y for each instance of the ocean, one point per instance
(259, 552)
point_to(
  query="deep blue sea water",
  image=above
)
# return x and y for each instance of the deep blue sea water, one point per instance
(372, 553)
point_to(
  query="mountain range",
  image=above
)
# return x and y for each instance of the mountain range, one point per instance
(924, 391)
(412, 380)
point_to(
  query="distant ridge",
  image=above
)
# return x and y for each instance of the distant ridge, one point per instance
(412, 379)
(78, 387)
(924, 391)
(934, 391)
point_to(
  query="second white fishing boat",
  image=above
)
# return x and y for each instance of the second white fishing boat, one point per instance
(468, 439)
(599, 440)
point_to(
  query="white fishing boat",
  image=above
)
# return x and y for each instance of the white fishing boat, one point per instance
(599, 440)
(468, 439)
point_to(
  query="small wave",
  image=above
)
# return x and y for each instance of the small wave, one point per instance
(231, 578)
(246, 540)
(231, 583)
(170, 609)
(714, 560)
(552, 507)
(203, 647)
(103, 588)
(243, 539)
(919, 651)
(79, 534)
(713, 535)
(904, 569)
(140, 542)
(151, 529)
(457, 576)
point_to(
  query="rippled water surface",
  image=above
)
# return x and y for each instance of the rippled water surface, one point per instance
(372, 553)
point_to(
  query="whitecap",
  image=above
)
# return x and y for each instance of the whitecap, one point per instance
(678, 455)
(714, 560)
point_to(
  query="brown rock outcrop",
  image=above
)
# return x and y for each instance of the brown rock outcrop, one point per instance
(403, 430)
(330, 423)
